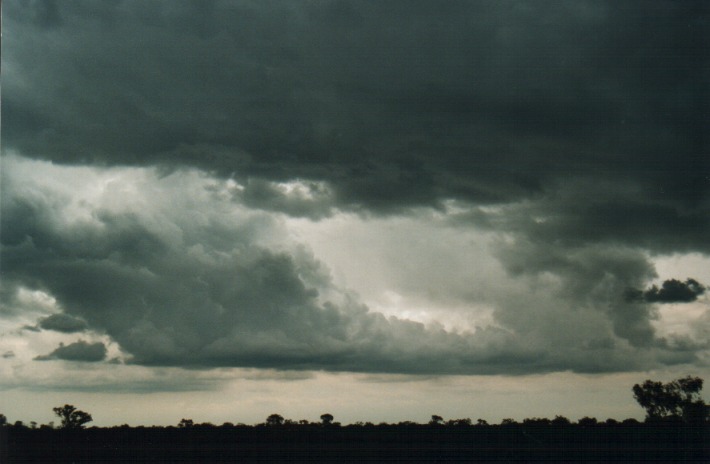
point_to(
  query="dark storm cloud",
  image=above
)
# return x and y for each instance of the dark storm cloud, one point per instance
(578, 211)
(393, 104)
(78, 351)
(575, 128)
(671, 291)
(62, 323)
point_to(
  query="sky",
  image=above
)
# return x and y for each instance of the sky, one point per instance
(220, 210)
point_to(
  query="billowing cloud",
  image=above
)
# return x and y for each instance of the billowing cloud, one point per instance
(177, 273)
(210, 285)
(62, 323)
(298, 199)
(78, 351)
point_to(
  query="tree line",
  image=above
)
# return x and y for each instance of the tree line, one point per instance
(675, 430)
(675, 401)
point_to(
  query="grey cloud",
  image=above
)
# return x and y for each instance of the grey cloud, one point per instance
(576, 129)
(8, 354)
(280, 375)
(78, 351)
(205, 300)
(392, 105)
(131, 386)
(121, 378)
(205, 286)
(63, 323)
(612, 212)
(592, 250)
(585, 242)
(590, 280)
(671, 291)
(301, 200)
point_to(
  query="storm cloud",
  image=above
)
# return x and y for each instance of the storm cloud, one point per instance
(391, 105)
(154, 152)
(208, 286)
(186, 277)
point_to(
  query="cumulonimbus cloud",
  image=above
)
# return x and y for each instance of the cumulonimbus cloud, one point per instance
(184, 276)
(574, 133)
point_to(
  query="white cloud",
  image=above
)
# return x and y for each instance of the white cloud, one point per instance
(416, 266)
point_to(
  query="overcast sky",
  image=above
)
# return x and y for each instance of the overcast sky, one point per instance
(382, 210)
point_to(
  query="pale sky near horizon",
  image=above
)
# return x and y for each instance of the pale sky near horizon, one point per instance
(383, 210)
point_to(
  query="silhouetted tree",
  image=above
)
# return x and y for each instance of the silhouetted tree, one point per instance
(560, 420)
(678, 398)
(436, 420)
(72, 418)
(537, 421)
(186, 423)
(326, 419)
(275, 419)
(3, 420)
(459, 422)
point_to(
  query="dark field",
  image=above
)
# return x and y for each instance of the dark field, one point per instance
(527, 442)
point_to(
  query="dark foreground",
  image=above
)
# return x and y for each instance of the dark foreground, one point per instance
(383, 443)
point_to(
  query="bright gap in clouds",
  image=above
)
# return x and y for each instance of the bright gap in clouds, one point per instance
(422, 268)
(414, 267)
(689, 319)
